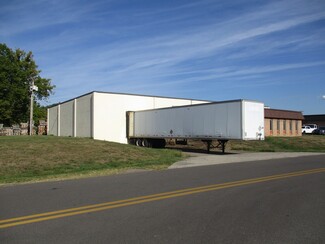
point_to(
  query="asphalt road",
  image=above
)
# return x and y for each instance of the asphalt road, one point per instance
(251, 202)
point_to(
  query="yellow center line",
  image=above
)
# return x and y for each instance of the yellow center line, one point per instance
(142, 199)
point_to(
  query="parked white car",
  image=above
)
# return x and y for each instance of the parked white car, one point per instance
(313, 126)
(307, 129)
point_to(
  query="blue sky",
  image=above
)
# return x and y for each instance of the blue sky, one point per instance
(271, 51)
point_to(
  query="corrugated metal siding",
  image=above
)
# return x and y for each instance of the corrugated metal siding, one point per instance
(84, 116)
(66, 119)
(53, 121)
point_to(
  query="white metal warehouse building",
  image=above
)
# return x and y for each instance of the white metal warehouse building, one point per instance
(102, 115)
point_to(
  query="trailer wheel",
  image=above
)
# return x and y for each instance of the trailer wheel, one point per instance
(146, 143)
(138, 142)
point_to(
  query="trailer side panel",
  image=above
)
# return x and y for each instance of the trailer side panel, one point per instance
(206, 121)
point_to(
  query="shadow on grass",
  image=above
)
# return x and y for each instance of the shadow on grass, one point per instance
(199, 150)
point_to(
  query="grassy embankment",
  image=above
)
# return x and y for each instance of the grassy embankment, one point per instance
(27, 158)
(306, 143)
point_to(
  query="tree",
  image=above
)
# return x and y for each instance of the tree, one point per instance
(17, 70)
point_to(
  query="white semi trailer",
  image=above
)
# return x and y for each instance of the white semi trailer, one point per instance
(217, 121)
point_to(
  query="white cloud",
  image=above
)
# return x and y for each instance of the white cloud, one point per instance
(175, 46)
(23, 16)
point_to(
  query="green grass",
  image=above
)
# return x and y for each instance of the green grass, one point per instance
(306, 143)
(25, 158)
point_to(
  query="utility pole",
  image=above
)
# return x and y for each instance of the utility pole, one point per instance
(32, 88)
(31, 108)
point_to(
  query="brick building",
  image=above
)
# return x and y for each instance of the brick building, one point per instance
(282, 122)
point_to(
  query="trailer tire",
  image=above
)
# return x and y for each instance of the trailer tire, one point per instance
(146, 143)
(138, 142)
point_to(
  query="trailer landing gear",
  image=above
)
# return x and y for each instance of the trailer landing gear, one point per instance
(221, 144)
